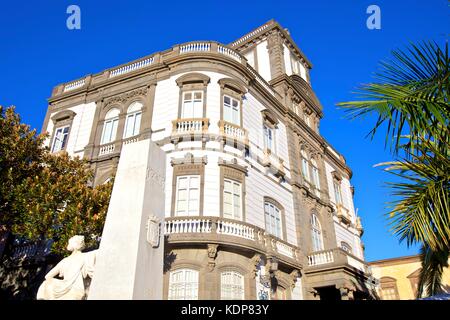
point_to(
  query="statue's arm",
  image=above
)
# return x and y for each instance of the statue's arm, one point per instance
(54, 272)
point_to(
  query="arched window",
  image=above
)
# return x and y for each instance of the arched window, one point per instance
(346, 247)
(389, 288)
(133, 121)
(273, 219)
(231, 285)
(110, 126)
(316, 233)
(183, 285)
(305, 165)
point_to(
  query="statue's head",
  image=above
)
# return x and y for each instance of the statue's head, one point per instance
(76, 243)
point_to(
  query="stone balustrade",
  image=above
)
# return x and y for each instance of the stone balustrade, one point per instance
(188, 126)
(336, 256)
(107, 149)
(160, 58)
(343, 214)
(233, 132)
(216, 226)
(275, 163)
(74, 85)
(131, 67)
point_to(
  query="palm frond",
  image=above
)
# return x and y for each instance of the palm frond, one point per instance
(411, 95)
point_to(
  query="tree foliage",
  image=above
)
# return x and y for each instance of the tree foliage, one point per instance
(411, 99)
(48, 196)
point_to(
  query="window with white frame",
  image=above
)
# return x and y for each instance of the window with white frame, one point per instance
(315, 174)
(316, 233)
(192, 106)
(231, 110)
(231, 286)
(269, 138)
(337, 192)
(187, 202)
(133, 120)
(273, 219)
(305, 165)
(110, 126)
(60, 139)
(183, 285)
(232, 199)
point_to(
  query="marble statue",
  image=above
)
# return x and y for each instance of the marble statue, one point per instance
(73, 270)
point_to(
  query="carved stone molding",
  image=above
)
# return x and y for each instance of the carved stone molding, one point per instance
(293, 276)
(189, 159)
(256, 260)
(122, 98)
(212, 254)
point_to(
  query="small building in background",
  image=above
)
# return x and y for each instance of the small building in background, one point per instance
(399, 277)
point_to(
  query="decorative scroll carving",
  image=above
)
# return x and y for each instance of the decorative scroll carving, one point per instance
(122, 98)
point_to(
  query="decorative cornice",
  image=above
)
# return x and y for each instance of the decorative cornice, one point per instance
(189, 159)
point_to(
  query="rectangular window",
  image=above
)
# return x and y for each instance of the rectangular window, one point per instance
(273, 219)
(60, 140)
(109, 130)
(232, 199)
(337, 192)
(183, 285)
(316, 180)
(187, 200)
(231, 110)
(192, 105)
(132, 124)
(231, 286)
(305, 169)
(269, 138)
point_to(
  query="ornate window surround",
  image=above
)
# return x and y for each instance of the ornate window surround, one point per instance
(192, 82)
(234, 89)
(189, 165)
(233, 171)
(62, 119)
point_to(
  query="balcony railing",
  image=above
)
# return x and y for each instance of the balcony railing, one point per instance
(275, 163)
(321, 257)
(233, 133)
(343, 214)
(153, 61)
(215, 226)
(107, 149)
(189, 126)
(336, 256)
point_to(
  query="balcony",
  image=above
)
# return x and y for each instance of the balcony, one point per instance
(233, 135)
(189, 129)
(359, 226)
(229, 232)
(274, 163)
(335, 258)
(343, 214)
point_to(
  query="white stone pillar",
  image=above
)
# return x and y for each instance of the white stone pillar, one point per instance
(129, 263)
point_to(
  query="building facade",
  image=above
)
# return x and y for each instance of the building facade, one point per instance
(398, 278)
(258, 204)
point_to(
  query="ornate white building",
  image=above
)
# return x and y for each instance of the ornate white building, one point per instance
(258, 204)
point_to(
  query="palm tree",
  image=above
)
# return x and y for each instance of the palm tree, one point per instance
(411, 100)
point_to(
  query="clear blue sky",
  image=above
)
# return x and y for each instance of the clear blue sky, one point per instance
(37, 52)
